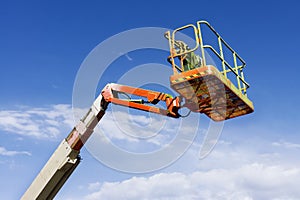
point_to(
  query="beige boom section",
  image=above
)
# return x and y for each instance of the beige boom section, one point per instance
(66, 157)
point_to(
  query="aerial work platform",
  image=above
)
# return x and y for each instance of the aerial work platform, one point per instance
(207, 91)
(215, 87)
(206, 88)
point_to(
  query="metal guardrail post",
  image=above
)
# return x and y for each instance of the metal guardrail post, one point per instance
(237, 71)
(201, 43)
(222, 56)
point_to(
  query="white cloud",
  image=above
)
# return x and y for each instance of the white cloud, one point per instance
(129, 131)
(137, 129)
(5, 152)
(251, 181)
(41, 123)
(133, 127)
(142, 132)
(253, 170)
(120, 126)
(94, 186)
(285, 144)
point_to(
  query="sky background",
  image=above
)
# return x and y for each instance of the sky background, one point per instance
(43, 44)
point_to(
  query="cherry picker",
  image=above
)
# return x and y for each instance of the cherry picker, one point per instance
(202, 88)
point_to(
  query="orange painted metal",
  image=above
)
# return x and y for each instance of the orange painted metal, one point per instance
(111, 91)
(74, 140)
(207, 91)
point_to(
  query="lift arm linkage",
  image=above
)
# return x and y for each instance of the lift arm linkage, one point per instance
(112, 91)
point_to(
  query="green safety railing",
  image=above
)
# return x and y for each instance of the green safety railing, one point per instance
(236, 69)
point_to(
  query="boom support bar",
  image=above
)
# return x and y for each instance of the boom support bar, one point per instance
(66, 157)
(111, 94)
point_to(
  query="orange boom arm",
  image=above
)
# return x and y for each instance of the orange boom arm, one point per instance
(112, 91)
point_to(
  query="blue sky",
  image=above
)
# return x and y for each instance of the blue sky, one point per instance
(44, 44)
